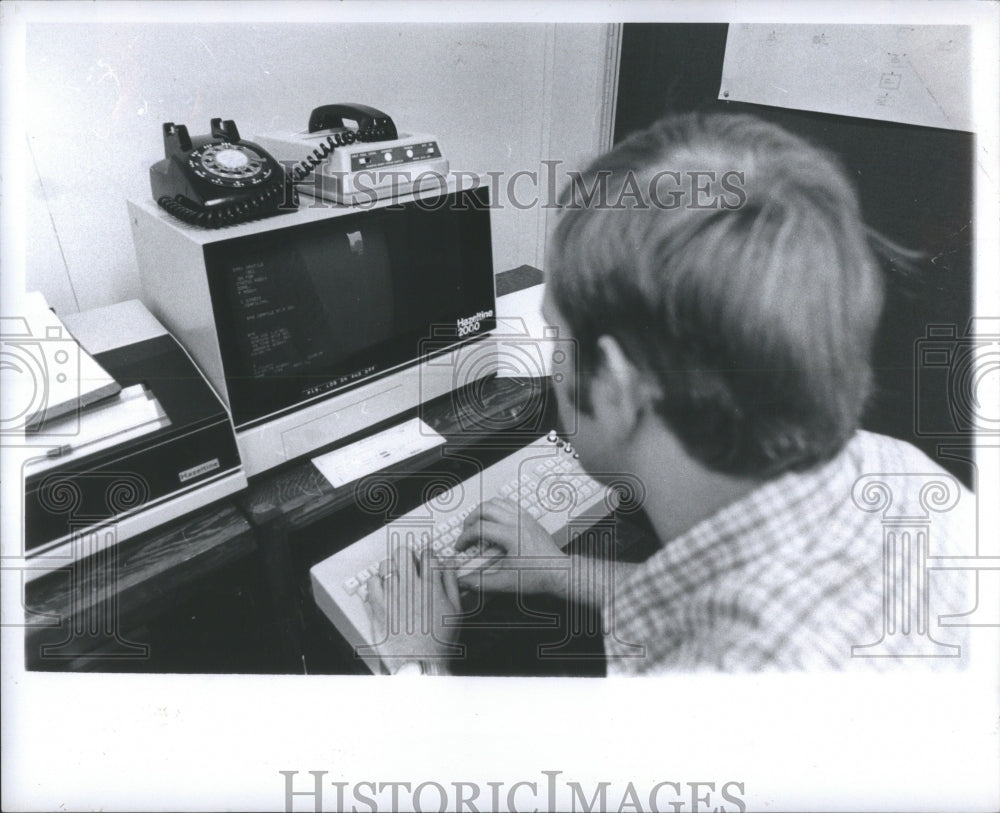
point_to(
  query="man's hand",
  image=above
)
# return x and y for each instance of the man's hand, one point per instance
(407, 604)
(524, 556)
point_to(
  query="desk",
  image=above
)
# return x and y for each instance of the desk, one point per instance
(99, 614)
(226, 589)
(300, 519)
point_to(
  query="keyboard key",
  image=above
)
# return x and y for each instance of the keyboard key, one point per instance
(524, 486)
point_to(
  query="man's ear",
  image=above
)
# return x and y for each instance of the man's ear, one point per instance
(616, 389)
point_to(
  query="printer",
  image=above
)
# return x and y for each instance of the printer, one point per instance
(162, 446)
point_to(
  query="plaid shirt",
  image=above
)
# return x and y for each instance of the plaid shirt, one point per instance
(792, 575)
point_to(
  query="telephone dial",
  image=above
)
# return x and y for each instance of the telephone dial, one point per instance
(218, 180)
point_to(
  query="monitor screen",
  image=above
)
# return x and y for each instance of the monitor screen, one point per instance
(312, 309)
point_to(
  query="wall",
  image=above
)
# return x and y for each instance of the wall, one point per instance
(500, 98)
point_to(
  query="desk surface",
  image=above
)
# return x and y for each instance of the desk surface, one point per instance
(299, 494)
(90, 605)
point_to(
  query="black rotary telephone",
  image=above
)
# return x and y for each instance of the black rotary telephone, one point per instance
(217, 180)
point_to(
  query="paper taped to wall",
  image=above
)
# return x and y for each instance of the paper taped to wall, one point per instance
(908, 74)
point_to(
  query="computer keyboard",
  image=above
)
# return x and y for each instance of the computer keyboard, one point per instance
(544, 478)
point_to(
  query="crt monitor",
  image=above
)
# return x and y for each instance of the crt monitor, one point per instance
(316, 324)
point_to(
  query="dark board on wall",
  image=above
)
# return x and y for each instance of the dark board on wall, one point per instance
(916, 187)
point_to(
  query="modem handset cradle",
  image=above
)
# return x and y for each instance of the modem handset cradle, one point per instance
(358, 155)
(372, 125)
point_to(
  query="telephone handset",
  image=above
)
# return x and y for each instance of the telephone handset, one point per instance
(217, 180)
(373, 125)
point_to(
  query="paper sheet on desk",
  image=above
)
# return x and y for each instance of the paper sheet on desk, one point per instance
(130, 414)
(61, 377)
(519, 317)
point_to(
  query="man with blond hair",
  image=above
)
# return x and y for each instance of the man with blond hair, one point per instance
(723, 294)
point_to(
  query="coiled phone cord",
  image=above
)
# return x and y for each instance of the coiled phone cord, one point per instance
(267, 201)
(305, 168)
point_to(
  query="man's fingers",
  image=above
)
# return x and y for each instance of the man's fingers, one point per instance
(499, 508)
(375, 603)
(469, 536)
(375, 594)
(451, 588)
(404, 563)
(496, 509)
(489, 536)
